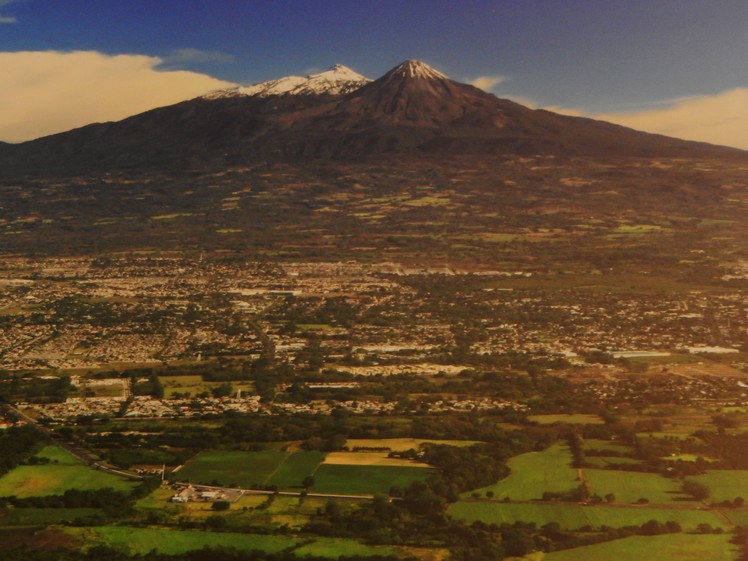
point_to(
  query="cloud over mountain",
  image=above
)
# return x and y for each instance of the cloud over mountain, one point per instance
(718, 119)
(46, 92)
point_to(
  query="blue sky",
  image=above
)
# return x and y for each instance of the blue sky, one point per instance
(593, 57)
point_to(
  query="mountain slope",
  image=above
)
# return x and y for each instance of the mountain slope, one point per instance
(411, 110)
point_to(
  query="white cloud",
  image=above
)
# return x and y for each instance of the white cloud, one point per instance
(718, 119)
(487, 82)
(49, 91)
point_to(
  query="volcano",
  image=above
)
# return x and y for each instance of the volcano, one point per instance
(412, 110)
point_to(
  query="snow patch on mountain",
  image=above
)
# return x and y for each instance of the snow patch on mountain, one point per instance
(417, 69)
(336, 80)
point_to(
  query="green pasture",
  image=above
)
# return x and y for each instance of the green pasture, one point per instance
(295, 468)
(617, 517)
(286, 470)
(680, 547)
(737, 516)
(63, 473)
(352, 479)
(724, 484)
(569, 516)
(534, 473)
(172, 542)
(572, 516)
(334, 548)
(630, 486)
(244, 469)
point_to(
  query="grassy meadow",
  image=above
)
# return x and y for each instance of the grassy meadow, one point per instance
(572, 516)
(535, 473)
(629, 486)
(680, 547)
(62, 473)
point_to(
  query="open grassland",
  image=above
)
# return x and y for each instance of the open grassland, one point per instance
(401, 444)
(167, 541)
(630, 486)
(245, 469)
(725, 485)
(344, 479)
(572, 516)
(369, 459)
(576, 419)
(65, 472)
(535, 473)
(680, 547)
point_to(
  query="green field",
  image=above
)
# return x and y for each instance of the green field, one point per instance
(163, 540)
(725, 485)
(535, 473)
(286, 470)
(680, 547)
(568, 516)
(244, 469)
(333, 478)
(574, 516)
(577, 419)
(334, 548)
(630, 486)
(295, 468)
(634, 516)
(65, 472)
(737, 516)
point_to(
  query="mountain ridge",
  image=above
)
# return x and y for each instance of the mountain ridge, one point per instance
(412, 110)
(336, 80)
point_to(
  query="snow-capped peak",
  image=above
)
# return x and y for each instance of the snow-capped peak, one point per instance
(335, 80)
(417, 69)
